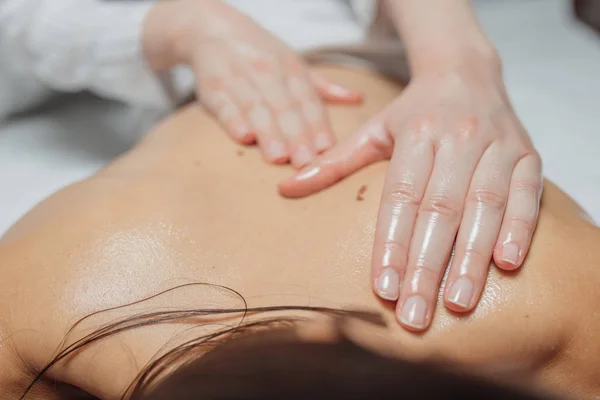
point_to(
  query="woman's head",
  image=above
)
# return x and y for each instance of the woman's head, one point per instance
(272, 358)
(284, 365)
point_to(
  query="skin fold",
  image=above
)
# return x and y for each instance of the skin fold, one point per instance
(186, 206)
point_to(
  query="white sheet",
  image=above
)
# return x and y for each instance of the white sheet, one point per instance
(552, 69)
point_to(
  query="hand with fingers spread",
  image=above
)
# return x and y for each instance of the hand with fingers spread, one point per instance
(463, 173)
(258, 88)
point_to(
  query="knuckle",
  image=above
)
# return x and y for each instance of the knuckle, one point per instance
(415, 129)
(277, 97)
(467, 129)
(442, 205)
(377, 137)
(521, 147)
(423, 124)
(291, 124)
(227, 112)
(215, 99)
(536, 160)
(214, 83)
(476, 255)
(526, 224)
(265, 64)
(488, 197)
(299, 88)
(404, 193)
(288, 103)
(260, 116)
(313, 112)
(395, 246)
(292, 62)
(427, 272)
(529, 188)
(381, 144)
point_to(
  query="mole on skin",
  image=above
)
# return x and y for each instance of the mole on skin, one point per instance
(361, 192)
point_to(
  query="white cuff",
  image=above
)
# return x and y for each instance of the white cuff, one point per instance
(121, 71)
(365, 11)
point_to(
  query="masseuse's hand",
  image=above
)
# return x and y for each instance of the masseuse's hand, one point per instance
(258, 88)
(462, 168)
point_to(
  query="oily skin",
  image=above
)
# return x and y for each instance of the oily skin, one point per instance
(186, 206)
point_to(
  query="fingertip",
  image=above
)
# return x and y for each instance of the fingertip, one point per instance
(336, 96)
(244, 136)
(275, 152)
(303, 183)
(240, 131)
(337, 93)
(505, 265)
(459, 296)
(302, 156)
(412, 328)
(281, 160)
(508, 256)
(277, 160)
(291, 190)
(457, 308)
(412, 314)
(354, 98)
(387, 284)
(285, 189)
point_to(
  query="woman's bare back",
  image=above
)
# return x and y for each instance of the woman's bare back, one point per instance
(187, 205)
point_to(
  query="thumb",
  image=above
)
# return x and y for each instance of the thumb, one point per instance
(333, 92)
(371, 143)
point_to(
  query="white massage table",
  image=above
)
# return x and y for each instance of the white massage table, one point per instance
(552, 69)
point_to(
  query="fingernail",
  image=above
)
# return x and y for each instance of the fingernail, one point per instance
(511, 253)
(303, 156)
(307, 173)
(414, 312)
(241, 131)
(341, 91)
(388, 284)
(276, 150)
(461, 292)
(322, 142)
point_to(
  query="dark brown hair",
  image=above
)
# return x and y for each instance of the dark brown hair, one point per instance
(265, 359)
(278, 365)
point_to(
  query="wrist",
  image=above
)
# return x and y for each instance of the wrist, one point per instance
(173, 29)
(443, 36)
(166, 34)
(476, 61)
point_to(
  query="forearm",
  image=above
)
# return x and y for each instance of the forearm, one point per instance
(168, 30)
(441, 34)
(163, 34)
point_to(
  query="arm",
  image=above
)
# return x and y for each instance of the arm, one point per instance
(463, 170)
(442, 35)
(74, 45)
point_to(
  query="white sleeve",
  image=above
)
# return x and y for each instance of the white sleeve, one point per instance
(75, 45)
(365, 11)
